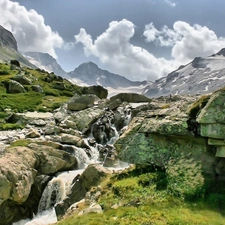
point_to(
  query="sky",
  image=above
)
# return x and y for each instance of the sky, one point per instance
(139, 39)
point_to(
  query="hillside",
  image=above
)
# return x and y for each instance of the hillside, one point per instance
(25, 89)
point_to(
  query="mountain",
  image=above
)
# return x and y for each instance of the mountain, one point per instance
(90, 74)
(9, 49)
(46, 62)
(201, 76)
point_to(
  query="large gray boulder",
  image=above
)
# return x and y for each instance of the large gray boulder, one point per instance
(15, 87)
(130, 97)
(77, 103)
(22, 79)
(22, 176)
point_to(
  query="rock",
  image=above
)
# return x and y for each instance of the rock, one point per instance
(33, 133)
(97, 90)
(91, 176)
(17, 174)
(72, 140)
(37, 88)
(78, 103)
(22, 79)
(113, 104)
(15, 87)
(50, 160)
(59, 85)
(85, 118)
(130, 97)
(155, 136)
(15, 62)
(213, 112)
(93, 208)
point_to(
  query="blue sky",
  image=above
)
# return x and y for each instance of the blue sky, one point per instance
(140, 39)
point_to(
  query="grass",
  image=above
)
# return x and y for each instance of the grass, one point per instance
(51, 99)
(198, 105)
(156, 206)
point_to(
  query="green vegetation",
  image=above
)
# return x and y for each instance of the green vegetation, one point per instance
(144, 197)
(10, 126)
(198, 105)
(21, 142)
(56, 91)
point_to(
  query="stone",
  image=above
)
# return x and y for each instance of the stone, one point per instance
(22, 79)
(91, 176)
(216, 142)
(220, 151)
(72, 140)
(15, 62)
(85, 118)
(77, 103)
(37, 88)
(214, 130)
(97, 90)
(15, 87)
(50, 160)
(93, 208)
(214, 111)
(131, 97)
(33, 133)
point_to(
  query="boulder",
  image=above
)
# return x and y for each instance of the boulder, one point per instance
(15, 63)
(130, 97)
(37, 88)
(77, 103)
(91, 176)
(97, 90)
(22, 79)
(15, 87)
(50, 160)
(72, 140)
(85, 118)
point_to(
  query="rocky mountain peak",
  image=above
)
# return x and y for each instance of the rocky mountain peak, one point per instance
(7, 39)
(221, 52)
(88, 67)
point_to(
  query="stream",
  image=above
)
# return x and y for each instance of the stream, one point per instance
(100, 141)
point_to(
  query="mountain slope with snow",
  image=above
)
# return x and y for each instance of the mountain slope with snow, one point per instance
(202, 75)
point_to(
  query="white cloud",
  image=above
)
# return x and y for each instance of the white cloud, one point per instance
(114, 49)
(29, 28)
(186, 41)
(172, 4)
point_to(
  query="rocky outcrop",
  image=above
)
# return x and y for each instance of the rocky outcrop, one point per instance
(21, 168)
(171, 128)
(7, 39)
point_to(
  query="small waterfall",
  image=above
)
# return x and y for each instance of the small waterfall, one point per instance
(103, 135)
(53, 193)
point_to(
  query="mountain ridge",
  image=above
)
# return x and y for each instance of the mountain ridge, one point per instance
(200, 76)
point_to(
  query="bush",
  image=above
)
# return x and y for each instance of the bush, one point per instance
(4, 72)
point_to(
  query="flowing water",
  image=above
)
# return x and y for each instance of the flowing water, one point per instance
(59, 186)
